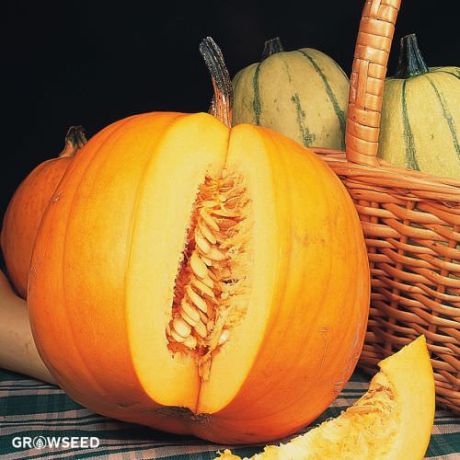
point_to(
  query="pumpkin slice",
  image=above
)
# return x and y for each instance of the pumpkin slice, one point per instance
(392, 421)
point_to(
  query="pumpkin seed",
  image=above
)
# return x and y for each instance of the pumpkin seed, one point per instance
(225, 223)
(224, 336)
(190, 342)
(209, 204)
(201, 242)
(215, 254)
(181, 327)
(207, 232)
(208, 281)
(177, 337)
(203, 288)
(196, 299)
(223, 212)
(203, 317)
(207, 260)
(210, 222)
(198, 266)
(235, 192)
(232, 202)
(201, 330)
(192, 320)
(213, 276)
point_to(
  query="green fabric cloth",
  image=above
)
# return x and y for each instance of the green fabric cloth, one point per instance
(29, 408)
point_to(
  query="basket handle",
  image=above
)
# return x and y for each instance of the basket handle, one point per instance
(368, 73)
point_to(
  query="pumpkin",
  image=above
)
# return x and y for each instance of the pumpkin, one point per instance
(200, 279)
(302, 94)
(420, 126)
(25, 210)
(392, 421)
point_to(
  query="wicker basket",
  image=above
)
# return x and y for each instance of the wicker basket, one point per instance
(411, 223)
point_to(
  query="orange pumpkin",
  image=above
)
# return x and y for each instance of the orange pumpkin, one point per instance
(25, 210)
(200, 279)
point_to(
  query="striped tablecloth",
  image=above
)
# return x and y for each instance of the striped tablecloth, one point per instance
(37, 412)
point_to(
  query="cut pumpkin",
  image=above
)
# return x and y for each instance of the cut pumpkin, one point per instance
(200, 279)
(392, 421)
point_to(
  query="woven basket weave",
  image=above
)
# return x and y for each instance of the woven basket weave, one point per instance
(411, 223)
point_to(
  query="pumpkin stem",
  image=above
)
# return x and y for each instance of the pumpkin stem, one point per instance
(75, 139)
(221, 103)
(410, 62)
(272, 46)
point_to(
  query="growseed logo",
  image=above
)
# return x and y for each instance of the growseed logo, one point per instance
(55, 442)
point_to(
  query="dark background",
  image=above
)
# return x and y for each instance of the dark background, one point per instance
(94, 62)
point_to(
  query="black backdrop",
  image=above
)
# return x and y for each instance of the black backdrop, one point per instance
(93, 62)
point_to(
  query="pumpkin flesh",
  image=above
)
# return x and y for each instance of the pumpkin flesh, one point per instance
(392, 421)
(113, 267)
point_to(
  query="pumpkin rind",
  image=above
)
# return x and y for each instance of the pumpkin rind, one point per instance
(421, 116)
(302, 94)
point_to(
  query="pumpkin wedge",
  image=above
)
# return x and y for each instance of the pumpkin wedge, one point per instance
(200, 279)
(26, 208)
(392, 421)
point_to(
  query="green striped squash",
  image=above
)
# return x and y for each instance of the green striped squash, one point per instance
(302, 94)
(420, 126)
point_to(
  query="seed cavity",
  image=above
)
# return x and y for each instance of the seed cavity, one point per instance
(211, 284)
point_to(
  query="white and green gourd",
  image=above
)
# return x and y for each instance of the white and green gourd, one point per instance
(302, 94)
(420, 126)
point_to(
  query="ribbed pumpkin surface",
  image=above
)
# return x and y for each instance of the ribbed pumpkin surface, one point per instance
(421, 118)
(25, 210)
(301, 94)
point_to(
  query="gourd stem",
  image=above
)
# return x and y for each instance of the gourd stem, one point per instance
(221, 104)
(410, 62)
(75, 139)
(272, 46)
